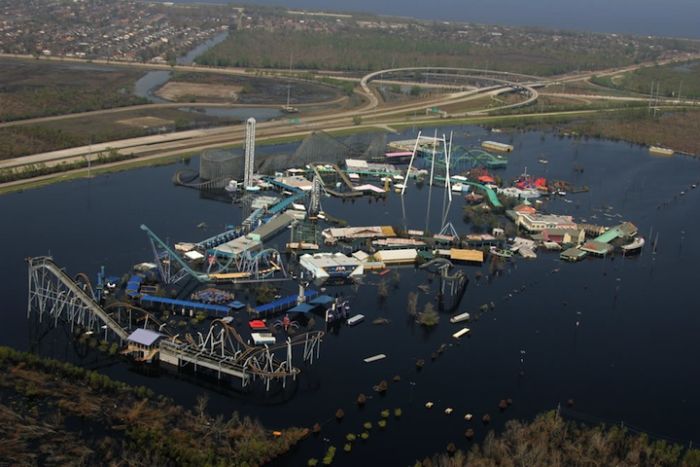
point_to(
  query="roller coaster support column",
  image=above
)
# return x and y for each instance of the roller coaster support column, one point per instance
(52, 292)
(163, 254)
(410, 164)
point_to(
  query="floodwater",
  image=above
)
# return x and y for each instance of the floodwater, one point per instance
(260, 114)
(149, 83)
(618, 336)
(147, 86)
(671, 18)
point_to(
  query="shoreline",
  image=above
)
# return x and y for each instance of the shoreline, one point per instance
(537, 122)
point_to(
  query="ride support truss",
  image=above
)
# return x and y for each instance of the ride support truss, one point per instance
(53, 295)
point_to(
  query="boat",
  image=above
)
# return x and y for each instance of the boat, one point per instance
(661, 151)
(460, 333)
(543, 161)
(633, 247)
(357, 319)
(500, 252)
(375, 358)
(460, 317)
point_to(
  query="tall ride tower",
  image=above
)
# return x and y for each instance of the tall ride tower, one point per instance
(249, 153)
(315, 198)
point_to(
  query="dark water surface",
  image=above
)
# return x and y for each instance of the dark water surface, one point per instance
(632, 358)
(676, 18)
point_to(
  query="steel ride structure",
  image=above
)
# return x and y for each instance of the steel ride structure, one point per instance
(255, 266)
(267, 363)
(248, 266)
(171, 266)
(465, 159)
(53, 295)
(190, 178)
(56, 298)
(455, 284)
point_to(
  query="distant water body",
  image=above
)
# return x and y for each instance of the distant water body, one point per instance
(678, 18)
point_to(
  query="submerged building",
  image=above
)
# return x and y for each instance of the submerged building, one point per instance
(331, 266)
(539, 222)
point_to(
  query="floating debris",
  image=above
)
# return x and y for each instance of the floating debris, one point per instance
(381, 321)
(375, 358)
(468, 417)
(448, 411)
(357, 319)
(429, 405)
(469, 434)
(460, 317)
(486, 419)
(361, 399)
(339, 414)
(381, 387)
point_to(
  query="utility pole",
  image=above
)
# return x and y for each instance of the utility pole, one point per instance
(87, 157)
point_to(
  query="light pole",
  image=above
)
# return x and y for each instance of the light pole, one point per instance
(87, 156)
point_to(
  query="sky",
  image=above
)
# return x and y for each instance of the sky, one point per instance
(643, 17)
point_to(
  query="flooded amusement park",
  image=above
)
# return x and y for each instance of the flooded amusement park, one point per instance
(391, 292)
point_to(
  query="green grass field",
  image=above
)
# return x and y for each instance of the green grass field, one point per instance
(371, 50)
(22, 140)
(30, 89)
(672, 80)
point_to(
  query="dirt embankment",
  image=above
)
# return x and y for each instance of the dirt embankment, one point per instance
(179, 91)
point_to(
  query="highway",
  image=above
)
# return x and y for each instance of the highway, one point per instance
(372, 113)
(163, 105)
